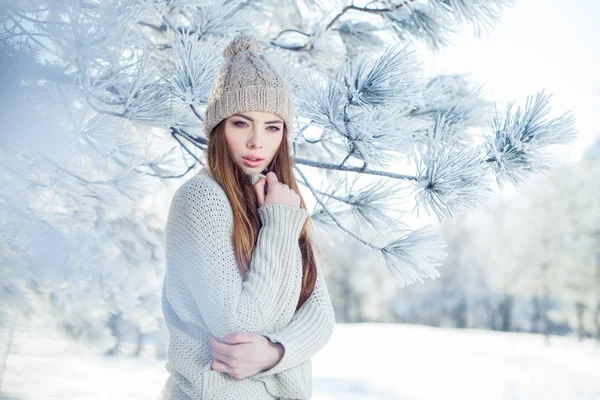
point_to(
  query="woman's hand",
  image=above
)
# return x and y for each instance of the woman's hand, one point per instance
(277, 193)
(244, 354)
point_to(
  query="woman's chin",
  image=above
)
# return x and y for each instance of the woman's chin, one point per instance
(252, 170)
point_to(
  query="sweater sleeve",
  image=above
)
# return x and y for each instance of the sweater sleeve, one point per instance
(308, 331)
(200, 247)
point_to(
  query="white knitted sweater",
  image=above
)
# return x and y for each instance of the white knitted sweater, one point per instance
(204, 295)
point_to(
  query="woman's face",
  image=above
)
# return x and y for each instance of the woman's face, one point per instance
(253, 134)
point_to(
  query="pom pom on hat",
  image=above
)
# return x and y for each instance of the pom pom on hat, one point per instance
(241, 43)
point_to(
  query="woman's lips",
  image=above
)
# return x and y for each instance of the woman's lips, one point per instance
(251, 163)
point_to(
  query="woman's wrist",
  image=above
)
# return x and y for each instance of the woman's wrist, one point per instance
(276, 351)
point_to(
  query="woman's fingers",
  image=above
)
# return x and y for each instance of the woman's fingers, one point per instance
(224, 352)
(220, 356)
(219, 366)
(232, 371)
(280, 193)
(271, 177)
(241, 355)
(259, 188)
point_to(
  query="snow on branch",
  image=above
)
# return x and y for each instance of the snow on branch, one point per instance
(363, 103)
(323, 100)
(370, 205)
(409, 258)
(483, 14)
(415, 256)
(461, 103)
(516, 147)
(219, 18)
(450, 178)
(390, 80)
(420, 21)
(379, 137)
(196, 64)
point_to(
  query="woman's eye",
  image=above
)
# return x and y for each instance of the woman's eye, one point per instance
(243, 123)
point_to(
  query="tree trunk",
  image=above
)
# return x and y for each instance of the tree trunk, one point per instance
(6, 351)
(460, 314)
(506, 308)
(139, 343)
(597, 321)
(546, 302)
(536, 315)
(546, 320)
(346, 299)
(580, 309)
(492, 312)
(113, 324)
(597, 308)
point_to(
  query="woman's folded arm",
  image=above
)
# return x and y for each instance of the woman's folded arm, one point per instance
(307, 333)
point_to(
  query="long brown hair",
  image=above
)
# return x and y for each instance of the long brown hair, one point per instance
(241, 194)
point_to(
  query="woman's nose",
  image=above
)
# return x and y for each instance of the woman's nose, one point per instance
(255, 139)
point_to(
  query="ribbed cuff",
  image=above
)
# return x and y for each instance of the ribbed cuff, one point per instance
(283, 218)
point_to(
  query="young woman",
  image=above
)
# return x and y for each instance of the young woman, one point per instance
(245, 305)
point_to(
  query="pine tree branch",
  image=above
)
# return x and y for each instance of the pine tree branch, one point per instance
(308, 44)
(196, 113)
(21, 176)
(331, 215)
(75, 176)
(37, 21)
(162, 28)
(28, 34)
(189, 168)
(178, 131)
(367, 10)
(331, 196)
(290, 30)
(172, 25)
(198, 141)
(362, 170)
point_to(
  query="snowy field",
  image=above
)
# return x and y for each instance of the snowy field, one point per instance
(362, 361)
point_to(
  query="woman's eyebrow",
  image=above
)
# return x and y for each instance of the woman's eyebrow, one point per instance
(250, 119)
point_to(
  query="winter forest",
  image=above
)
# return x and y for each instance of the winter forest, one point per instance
(450, 163)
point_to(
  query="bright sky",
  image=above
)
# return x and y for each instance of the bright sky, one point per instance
(537, 44)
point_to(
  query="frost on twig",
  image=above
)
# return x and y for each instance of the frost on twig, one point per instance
(415, 256)
(516, 147)
(450, 178)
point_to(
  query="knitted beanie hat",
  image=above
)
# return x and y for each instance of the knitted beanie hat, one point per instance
(247, 82)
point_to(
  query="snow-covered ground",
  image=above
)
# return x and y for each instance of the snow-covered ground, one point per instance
(362, 361)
